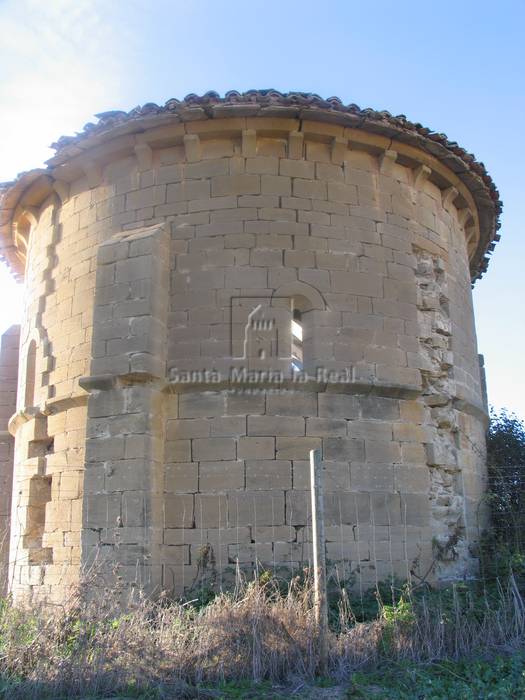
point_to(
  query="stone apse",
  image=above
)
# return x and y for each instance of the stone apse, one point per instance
(213, 288)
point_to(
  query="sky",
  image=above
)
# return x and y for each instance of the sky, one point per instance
(457, 67)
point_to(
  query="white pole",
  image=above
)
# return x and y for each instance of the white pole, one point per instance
(319, 556)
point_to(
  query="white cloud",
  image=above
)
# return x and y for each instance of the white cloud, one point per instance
(59, 65)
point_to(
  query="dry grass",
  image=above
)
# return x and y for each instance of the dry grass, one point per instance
(257, 632)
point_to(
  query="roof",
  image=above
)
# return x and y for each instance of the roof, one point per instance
(271, 103)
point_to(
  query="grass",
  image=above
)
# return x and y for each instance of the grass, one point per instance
(259, 641)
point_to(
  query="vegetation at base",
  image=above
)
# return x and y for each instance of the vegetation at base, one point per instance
(260, 641)
(499, 678)
(397, 641)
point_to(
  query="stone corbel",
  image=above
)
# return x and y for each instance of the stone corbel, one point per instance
(421, 175)
(295, 145)
(144, 156)
(448, 196)
(338, 151)
(387, 161)
(31, 214)
(192, 147)
(20, 242)
(464, 216)
(472, 237)
(249, 143)
(93, 173)
(62, 190)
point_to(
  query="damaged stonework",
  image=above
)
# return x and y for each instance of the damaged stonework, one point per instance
(446, 491)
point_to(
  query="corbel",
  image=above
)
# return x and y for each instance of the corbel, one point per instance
(249, 143)
(471, 235)
(464, 215)
(295, 145)
(20, 240)
(448, 196)
(31, 214)
(93, 172)
(386, 162)
(144, 156)
(62, 189)
(338, 150)
(421, 175)
(192, 147)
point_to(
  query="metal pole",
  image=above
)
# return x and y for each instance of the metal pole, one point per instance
(319, 557)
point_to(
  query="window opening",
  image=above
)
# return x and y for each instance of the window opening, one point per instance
(297, 341)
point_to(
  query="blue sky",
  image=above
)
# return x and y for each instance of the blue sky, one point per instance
(456, 67)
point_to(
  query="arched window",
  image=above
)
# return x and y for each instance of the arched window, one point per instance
(30, 375)
(304, 302)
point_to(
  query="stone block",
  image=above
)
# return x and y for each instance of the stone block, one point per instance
(178, 451)
(264, 165)
(276, 184)
(340, 192)
(222, 185)
(412, 478)
(408, 432)
(189, 189)
(370, 430)
(382, 452)
(326, 427)
(340, 508)
(268, 474)
(266, 258)
(229, 535)
(246, 277)
(256, 508)
(292, 403)
(297, 168)
(101, 510)
(123, 475)
(282, 533)
(276, 425)
(212, 204)
(147, 197)
(240, 403)
(213, 449)
(201, 405)
(221, 476)
(342, 406)
(372, 477)
(211, 511)
(228, 426)
(357, 283)
(380, 408)
(342, 449)
(295, 144)
(298, 553)
(412, 411)
(256, 448)
(187, 428)
(385, 509)
(329, 171)
(251, 553)
(413, 453)
(182, 477)
(296, 447)
(311, 189)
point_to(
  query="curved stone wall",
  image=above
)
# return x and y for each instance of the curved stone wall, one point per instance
(166, 427)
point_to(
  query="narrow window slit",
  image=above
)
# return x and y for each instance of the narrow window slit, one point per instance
(297, 341)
